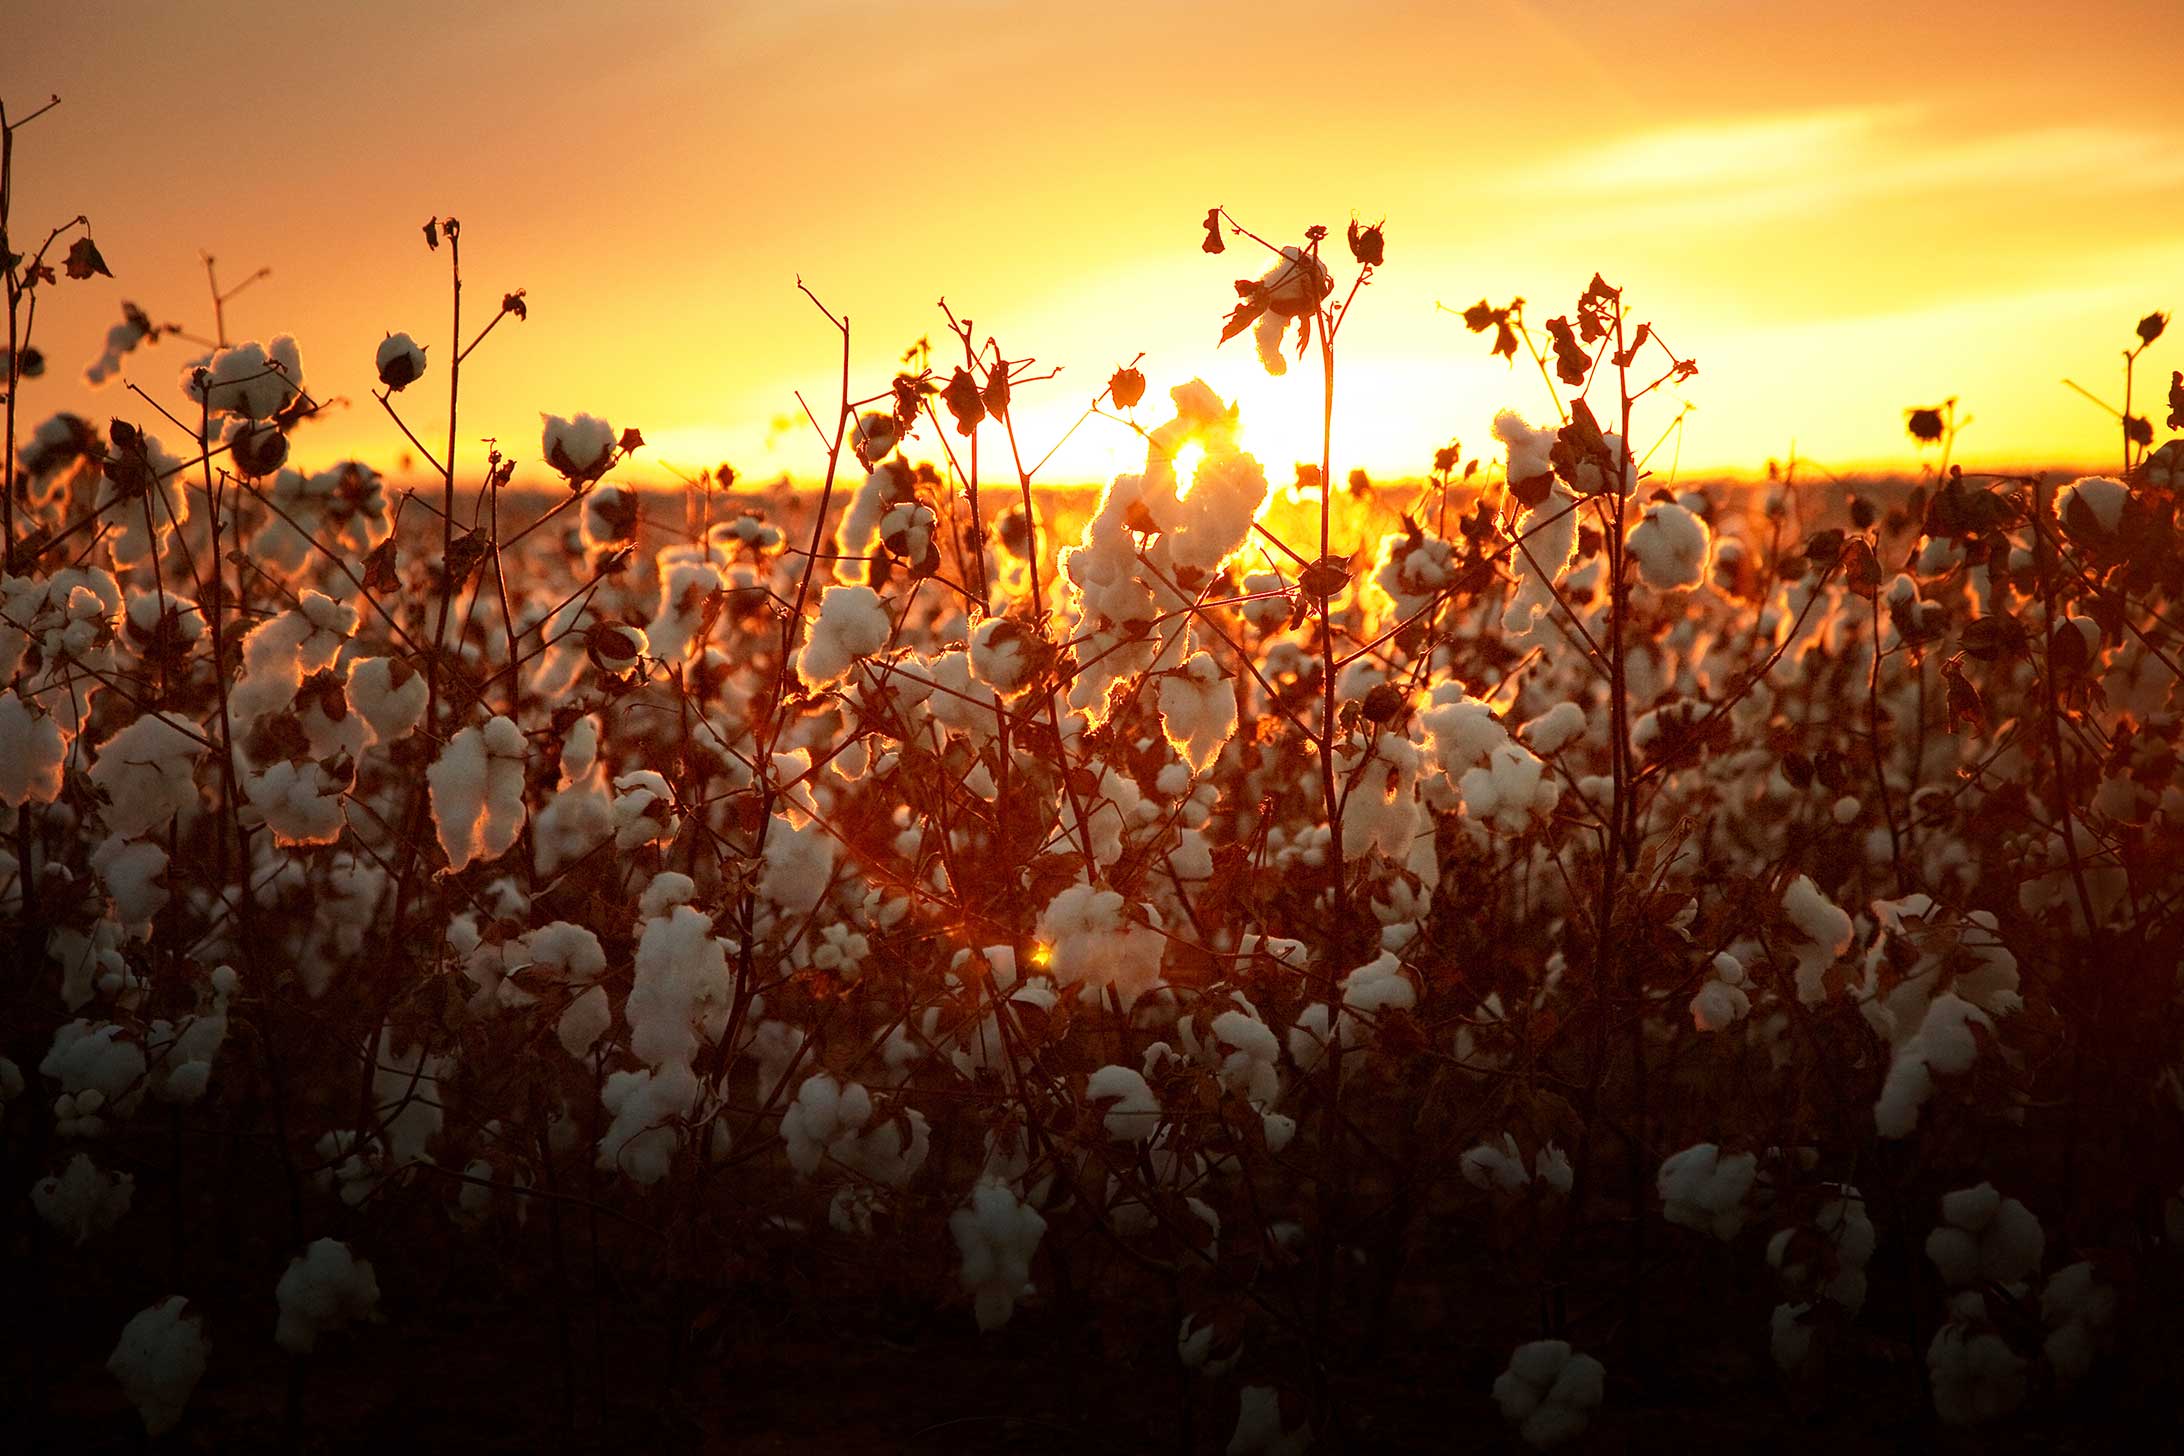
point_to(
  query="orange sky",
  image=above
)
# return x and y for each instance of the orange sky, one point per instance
(1840, 211)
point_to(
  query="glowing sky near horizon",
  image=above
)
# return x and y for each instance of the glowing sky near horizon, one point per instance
(1840, 210)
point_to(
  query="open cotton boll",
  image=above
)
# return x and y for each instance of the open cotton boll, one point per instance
(1789, 1336)
(1670, 545)
(852, 623)
(647, 1108)
(399, 362)
(1826, 929)
(1262, 1428)
(997, 1234)
(82, 1199)
(1553, 730)
(326, 1288)
(1495, 1165)
(1985, 1238)
(1133, 1113)
(578, 448)
(1549, 1392)
(477, 792)
(1001, 653)
(389, 695)
(148, 774)
(2077, 1305)
(1723, 1001)
(159, 1360)
(101, 1074)
(1975, 1375)
(32, 748)
(2092, 507)
(685, 589)
(253, 380)
(1098, 940)
(299, 801)
(1700, 1189)
(680, 978)
(1197, 709)
(1943, 1045)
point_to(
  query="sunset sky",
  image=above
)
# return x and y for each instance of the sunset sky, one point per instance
(1839, 209)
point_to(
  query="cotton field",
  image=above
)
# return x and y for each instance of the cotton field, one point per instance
(1545, 955)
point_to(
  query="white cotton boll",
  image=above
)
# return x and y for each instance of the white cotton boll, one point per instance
(997, 1234)
(2092, 507)
(1134, 1112)
(1202, 1345)
(1260, 1429)
(1378, 987)
(1546, 537)
(852, 623)
(83, 1199)
(2077, 1305)
(399, 362)
(477, 792)
(148, 773)
(1975, 1375)
(583, 1021)
(1789, 1336)
(1197, 709)
(1528, 448)
(687, 590)
(644, 810)
(1943, 1045)
(159, 1360)
(1097, 939)
(578, 448)
(681, 975)
(132, 874)
(252, 381)
(32, 748)
(822, 1112)
(1985, 1238)
(326, 1288)
(299, 802)
(1702, 1190)
(389, 695)
(1248, 1050)
(1001, 654)
(1497, 1166)
(1552, 1166)
(1719, 1006)
(647, 1109)
(1826, 930)
(1671, 546)
(799, 866)
(1549, 1393)
(100, 1072)
(1554, 730)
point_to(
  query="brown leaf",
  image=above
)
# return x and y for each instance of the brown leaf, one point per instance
(1126, 387)
(84, 260)
(1212, 242)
